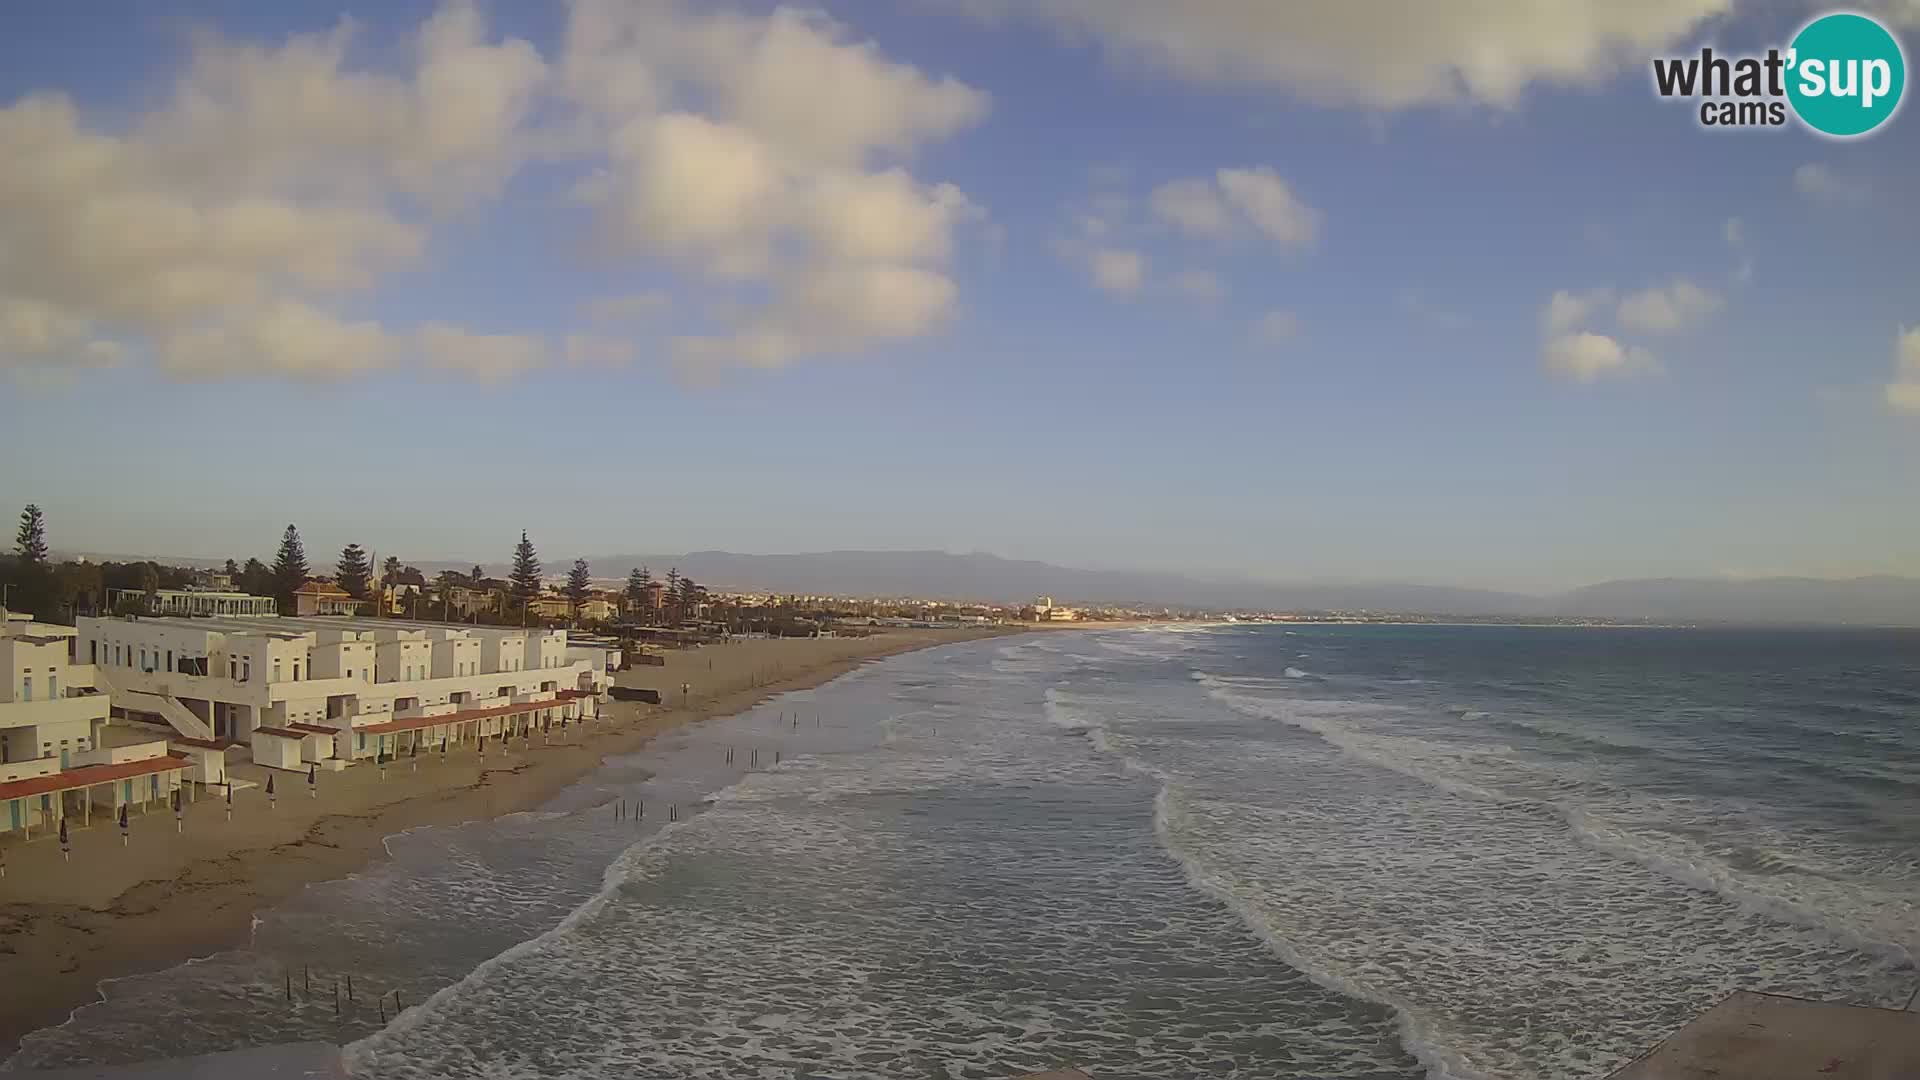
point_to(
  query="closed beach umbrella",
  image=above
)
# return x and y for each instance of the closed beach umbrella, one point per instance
(443, 744)
(124, 830)
(178, 826)
(313, 781)
(66, 849)
(271, 800)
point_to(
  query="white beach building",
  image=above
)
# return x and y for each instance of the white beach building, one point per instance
(329, 691)
(54, 757)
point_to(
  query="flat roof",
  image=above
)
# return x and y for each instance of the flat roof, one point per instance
(463, 716)
(91, 776)
(313, 729)
(281, 733)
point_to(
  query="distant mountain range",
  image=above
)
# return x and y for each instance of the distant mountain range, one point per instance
(1874, 601)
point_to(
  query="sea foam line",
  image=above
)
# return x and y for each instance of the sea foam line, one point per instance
(1606, 838)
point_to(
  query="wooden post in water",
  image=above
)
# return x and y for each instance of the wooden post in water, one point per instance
(349, 987)
(306, 980)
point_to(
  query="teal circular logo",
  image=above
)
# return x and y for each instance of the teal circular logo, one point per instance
(1845, 74)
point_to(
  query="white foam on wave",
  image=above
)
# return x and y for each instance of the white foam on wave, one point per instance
(1415, 1035)
(1890, 931)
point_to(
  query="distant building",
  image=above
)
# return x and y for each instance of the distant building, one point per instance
(549, 606)
(598, 609)
(1045, 610)
(192, 603)
(321, 597)
(397, 588)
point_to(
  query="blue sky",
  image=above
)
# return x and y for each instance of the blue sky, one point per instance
(863, 250)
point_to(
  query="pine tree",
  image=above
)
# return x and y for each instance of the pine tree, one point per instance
(477, 573)
(256, 578)
(636, 590)
(31, 542)
(526, 570)
(689, 598)
(672, 595)
(289, 569)
(579, 585)
(354, 571)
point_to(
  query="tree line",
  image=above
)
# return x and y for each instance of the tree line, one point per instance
(60, 592)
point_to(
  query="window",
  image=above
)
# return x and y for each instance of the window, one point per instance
(246, 669)
(26, 688)
(296, 671)
(233, 668)
(276, 669)
(169, 659)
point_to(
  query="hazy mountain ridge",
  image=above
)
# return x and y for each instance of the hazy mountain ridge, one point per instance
(1882, 600)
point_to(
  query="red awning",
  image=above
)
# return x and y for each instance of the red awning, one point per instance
(415, 723)
(91, 776)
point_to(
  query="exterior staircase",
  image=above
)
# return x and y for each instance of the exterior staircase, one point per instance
(167, 707)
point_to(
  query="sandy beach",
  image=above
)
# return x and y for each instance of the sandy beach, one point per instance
(170, 896)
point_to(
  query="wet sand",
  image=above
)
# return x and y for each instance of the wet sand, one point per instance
(170, 896)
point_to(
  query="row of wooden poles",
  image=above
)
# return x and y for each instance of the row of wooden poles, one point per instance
(346, 982)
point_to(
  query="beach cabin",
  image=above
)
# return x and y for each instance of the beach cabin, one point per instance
(281, 748)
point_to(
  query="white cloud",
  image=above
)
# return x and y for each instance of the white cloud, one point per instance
(1379, 53)
(283, 337)
(1903, 393)
(214, 231)
(1236, 198)
(1198, 284)
(488, 357)
(1586, 356)
(1117, 270)
(1192, 205)
(1735, 232)
(836, 310)
(1665, 309)
(1566, 310)
(766, 152)
(1821, 184)
(1266, 200)
(764, 155)
(1276, 328)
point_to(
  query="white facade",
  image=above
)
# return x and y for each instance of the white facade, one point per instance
(340, 674)
(48, 709)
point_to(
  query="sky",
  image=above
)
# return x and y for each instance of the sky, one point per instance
(1329, 290)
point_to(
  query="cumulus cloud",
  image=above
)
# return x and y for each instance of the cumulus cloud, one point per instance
(1820, 183)
(770, 153)
(1275, 328)
(484, 356)
(1903, 393)
(1566, 310)
(1573, 346)
(234, 226)
(1585, 356)
(216, 232)
(1665, 309)
(1236, 199)
(1117, 270)
(1378, 53)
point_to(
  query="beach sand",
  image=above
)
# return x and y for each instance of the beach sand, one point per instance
(170, 896)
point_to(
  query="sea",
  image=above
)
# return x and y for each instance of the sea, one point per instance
(1290, 851)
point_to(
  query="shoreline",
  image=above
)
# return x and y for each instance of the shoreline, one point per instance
(173, 897)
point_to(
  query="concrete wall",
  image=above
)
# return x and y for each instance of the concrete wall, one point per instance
(456, 657)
